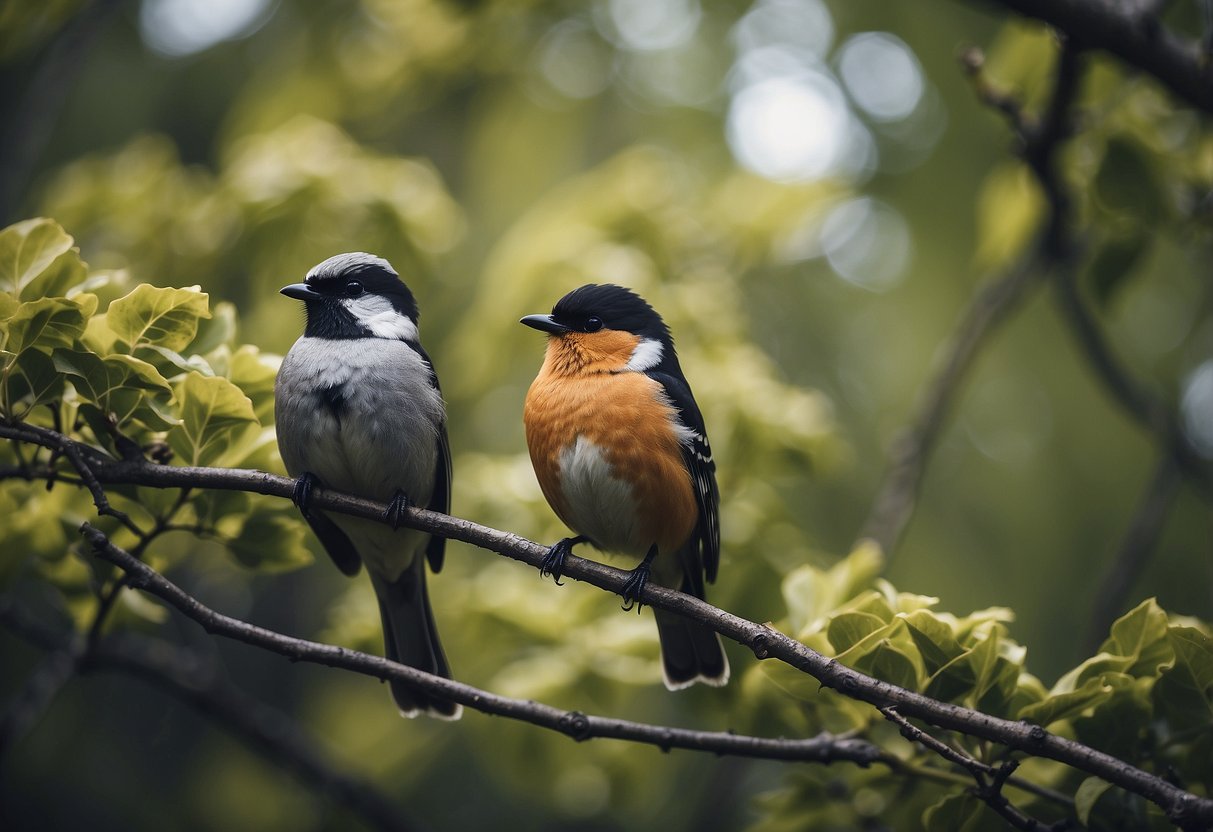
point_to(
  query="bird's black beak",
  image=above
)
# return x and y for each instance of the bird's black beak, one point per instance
(300, 291)
(545, 323)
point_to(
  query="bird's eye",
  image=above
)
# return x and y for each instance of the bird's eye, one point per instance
(353, 288)
(593, 324)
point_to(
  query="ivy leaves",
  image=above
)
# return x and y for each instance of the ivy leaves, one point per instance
(1146, 696)
(155, 368)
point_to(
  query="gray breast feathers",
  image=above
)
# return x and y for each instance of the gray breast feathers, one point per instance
(360, 414)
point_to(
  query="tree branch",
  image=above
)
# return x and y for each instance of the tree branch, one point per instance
(1134, 398)
(1136, 37)
(824, 748)
(264, 729)
(766, 642)
(1144, 529)
(898, 493)
(989, 779)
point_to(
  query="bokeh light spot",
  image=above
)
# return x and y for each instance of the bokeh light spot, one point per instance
(867, 243)
(801, 23)
(1197, 409)
(648, 25)
(178, 28)
(789, 128)
(881, 75)
(574, 61)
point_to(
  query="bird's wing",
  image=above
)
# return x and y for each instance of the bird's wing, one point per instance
(697, 453)
(334, 541)
(440, 498)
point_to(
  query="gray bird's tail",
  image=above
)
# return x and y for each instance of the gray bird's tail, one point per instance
(690, 652)
(410, 637)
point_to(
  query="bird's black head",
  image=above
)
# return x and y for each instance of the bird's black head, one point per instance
(356, 295)
(595, 307)
(601, 317)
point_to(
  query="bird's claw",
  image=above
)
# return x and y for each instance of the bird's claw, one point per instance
(396, 509)
(553, 562)
(301, 494)
(638, 579)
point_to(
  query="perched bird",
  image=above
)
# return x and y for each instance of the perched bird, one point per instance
(621, 453)
(358, 409)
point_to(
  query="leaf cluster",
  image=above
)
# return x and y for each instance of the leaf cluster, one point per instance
(150, 370)
(1145, 697)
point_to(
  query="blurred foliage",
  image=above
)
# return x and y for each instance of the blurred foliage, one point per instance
(500, 154)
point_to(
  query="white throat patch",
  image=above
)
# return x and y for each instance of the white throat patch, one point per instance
(646, 356)
(378, 315)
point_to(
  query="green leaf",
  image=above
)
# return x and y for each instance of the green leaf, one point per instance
(99, 338)
(1067, 705)
(1185, 691)
(8, 305)
(1141, 634)
(37, 259)
(1021, 58)
(1137, 645)
(97, 378)
(254, 372)
(934, 639)
(271, 542)
(1127, 183)
(956, 813)
(1087, 796)
(211, 409)
(49, 322)
(119, 385)
(32, 381)
(1114, 261)
(811, 594)
(849, 628)
(1009, 208)
(888, 662)
(169, 358)
(219, 329)
(151, 315)
(969, 674)
(1118, 725)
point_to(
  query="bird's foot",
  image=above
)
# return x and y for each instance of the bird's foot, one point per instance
(553, 562)
(638, 579)
(301, 495)
(396, 509)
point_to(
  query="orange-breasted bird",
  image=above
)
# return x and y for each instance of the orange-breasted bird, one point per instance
(620, 450)
(358, 409)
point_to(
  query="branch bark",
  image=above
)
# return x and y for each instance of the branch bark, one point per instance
(1183, 808)
(1136, 37)
(823, 749)
(186, 677)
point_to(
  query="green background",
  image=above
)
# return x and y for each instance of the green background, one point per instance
(437, 135)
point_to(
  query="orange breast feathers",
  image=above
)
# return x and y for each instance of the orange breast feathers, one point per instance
(580, 392)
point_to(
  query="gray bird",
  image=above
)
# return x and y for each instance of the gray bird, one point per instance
(358, 409)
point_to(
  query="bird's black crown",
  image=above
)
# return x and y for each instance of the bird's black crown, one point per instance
(362, 272)
(595, 306)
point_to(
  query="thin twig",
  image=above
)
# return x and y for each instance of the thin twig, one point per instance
(824, 748)
(35, 697)
(763, 640)
(1144, 528)
(266, 730)
(766, 642)
(910, 452)
(989, 780)
(38, 93)
(898, 493)
(1119, 29)
(1133, 397)
(279, 739)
